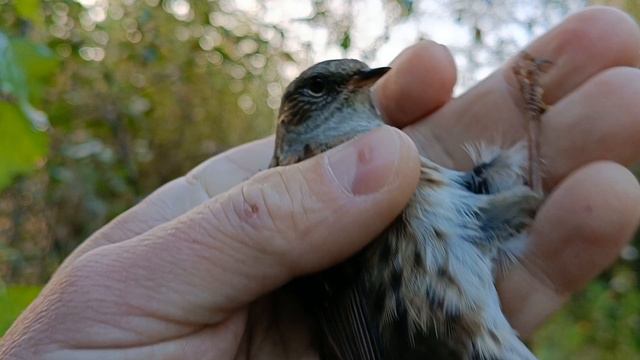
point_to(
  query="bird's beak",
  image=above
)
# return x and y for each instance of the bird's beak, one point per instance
(366, 78)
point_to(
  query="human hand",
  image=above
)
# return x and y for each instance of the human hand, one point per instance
(592, 126)
(186, 272)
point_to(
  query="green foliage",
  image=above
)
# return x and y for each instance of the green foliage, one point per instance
(30, 10)
(13, 300)
(345, 43)
(21, 147)
(38, 64)
(25, 68)
(602, 322)
(137, 94)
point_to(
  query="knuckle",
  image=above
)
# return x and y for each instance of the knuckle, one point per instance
(285, 200)
(617, 80)
(270, 211)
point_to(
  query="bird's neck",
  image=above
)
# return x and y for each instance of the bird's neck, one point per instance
(328, 129)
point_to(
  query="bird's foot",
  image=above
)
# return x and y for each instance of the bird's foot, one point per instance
(528, 71)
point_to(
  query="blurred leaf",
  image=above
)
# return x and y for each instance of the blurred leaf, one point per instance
(345, 43)
(30, 10)
(21, 147)
(25, 68)
(407, 6)
(38, 64)
(13, 300)
(477, 35)
(12, 78)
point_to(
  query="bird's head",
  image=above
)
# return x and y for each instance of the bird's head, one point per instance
(328, 104)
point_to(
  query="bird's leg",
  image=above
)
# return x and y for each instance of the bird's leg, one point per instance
(528, 70)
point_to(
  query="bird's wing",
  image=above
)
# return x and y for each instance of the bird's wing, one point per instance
(338, 302)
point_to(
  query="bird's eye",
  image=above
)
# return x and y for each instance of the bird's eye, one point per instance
(316, 87)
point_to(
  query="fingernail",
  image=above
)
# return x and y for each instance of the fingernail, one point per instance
(368, 163)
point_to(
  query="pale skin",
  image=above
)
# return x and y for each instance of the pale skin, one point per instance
(177, 275)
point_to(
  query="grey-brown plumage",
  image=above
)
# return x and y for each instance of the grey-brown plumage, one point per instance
(424, 289)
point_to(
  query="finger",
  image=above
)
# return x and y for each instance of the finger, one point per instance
(579, 232)
(599, 121)
(421, 80)
(586, 43)
(492, 109)
(220, 256)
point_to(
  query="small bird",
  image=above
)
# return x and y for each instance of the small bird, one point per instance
(424, 288)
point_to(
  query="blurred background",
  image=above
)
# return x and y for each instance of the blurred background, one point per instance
(102, 101)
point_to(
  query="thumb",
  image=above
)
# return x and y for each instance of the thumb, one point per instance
(280, 224)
